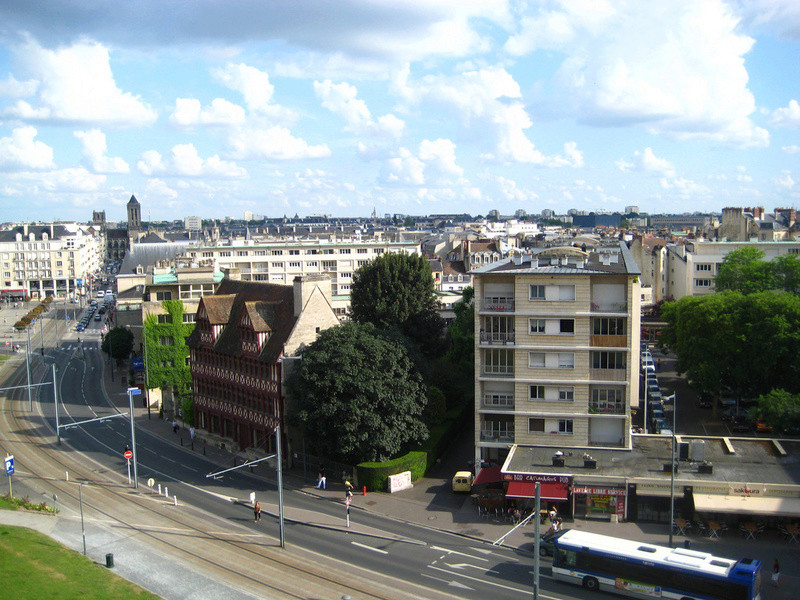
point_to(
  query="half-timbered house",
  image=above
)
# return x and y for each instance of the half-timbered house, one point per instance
(243, 335)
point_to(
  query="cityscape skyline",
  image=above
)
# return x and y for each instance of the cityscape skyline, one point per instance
(435, 107)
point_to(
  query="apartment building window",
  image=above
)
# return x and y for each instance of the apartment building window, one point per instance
(608, 326)
(566, 360)
(536, 392)
(225, 253)
(702, 267)
(242, 253)
(294, 252)
(703, 282)
(346, 275)
(188, 317)
(566, 394)
(606, 400)
(165, 340)
(362, 250)
(361, 263)
(277, 253)
(567, 326)
(608, 360)
(313, 264)
(163, 296)
(537, 292)
(499, 361)
(294, 265)
(536, 360)
(537, 325)
(535, 425)
(276, 265)
(566, 292)
(260, 253)
(565, 426)
(344, 250)
(208, 254)
(165, 318)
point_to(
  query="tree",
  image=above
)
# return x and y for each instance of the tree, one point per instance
(786, 271)
(357, 396)
(397, 290)
(780, 409)
(744, 271)
(118, 343)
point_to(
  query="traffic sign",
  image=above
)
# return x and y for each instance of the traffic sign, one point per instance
(134, 391)
(10, 465)
(128, 454)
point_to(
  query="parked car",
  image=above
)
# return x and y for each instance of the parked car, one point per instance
(705, 400)
(732, 412)
(740, 423)
(98, 317)
(462, 482)
(762, 427)
(546, 542)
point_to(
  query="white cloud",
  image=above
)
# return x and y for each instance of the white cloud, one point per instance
(404, 169)
(94, 151)
(256, 89)
(189, 113)
(158, 189)
(71, 180)
(76, 85)
(785, 180)
(433, 165)
(22, 151)
(340, 99)
(184, 161)
(440, 155)
(788, 116)
(684, 187)
(14, 89)
(647, 161)
(792, 149)
(275, 142)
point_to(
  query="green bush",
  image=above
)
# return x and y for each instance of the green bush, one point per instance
(375, 476)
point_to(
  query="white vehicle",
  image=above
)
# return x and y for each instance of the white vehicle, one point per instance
(100, 293)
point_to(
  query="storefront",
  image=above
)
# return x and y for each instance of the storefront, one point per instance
(553, 490)
(604, 503)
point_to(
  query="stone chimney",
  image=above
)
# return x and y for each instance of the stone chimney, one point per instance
(233, 274)
(305, 285)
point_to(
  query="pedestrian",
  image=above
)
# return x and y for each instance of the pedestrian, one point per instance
(348, 490)
(322, 482)
(257, 511)
(174, 426)
(776, 573)
(191, 433)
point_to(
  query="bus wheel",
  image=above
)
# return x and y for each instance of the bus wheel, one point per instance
(591, 584)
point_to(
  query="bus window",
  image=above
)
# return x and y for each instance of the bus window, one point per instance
(566, 558)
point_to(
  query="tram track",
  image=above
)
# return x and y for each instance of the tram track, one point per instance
(246, 559)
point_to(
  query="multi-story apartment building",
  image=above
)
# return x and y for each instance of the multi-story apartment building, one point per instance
(41, 260)
(281, 261)
(557, 350)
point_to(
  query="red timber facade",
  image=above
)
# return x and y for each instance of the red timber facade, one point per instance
(241, 335)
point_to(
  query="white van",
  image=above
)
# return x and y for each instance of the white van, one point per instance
(100, 293)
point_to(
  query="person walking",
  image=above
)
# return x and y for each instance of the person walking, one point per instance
(257, 511)
(322, 482)
(776, 573)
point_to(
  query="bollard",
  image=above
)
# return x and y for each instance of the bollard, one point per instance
(166, 492)
(174, 501)
(110, 561)
(159, 489)
(181, 441)
(204, 449)
(66, 475)
(364, 491)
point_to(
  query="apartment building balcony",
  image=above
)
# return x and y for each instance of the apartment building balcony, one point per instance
(608, 374)
(618, 444)
(610, 307)
(500, 437)
(498, 370)
(498, 304)
(493, 337)
(609, 341)
(498, 401)
(607, 409)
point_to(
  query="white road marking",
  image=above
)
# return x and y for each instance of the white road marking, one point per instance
(378, 550)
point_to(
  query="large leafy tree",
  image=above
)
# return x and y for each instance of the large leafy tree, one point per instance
(397, 290)
(357, 396)
(747, 343)
(745, 271)
(118, 343)
(780, 409)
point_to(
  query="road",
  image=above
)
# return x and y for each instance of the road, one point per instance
(211, 527)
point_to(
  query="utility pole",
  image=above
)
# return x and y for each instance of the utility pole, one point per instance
(28, 366)
(672, 472)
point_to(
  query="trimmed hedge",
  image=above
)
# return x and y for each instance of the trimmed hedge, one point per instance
(375, 476)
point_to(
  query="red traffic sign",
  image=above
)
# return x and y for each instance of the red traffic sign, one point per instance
(128, 454)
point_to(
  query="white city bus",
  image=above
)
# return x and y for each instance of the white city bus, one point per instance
(642, 570)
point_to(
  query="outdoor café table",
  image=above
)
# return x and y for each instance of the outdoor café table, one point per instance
(681, 526)
(750, 529)
(793, 532)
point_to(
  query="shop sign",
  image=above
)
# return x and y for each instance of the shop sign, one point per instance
(745, 490)
(562, 479)
(597, 491)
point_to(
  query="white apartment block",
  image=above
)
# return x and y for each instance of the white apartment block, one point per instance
(193, 223)
(55, 259)
(281, 261)
(557, 350)
(689, 268)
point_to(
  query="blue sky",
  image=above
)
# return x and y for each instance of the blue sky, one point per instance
(340, 107)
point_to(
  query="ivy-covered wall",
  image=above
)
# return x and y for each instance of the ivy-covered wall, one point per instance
(166, 365)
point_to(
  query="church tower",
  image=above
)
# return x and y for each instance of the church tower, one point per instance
(134, 215)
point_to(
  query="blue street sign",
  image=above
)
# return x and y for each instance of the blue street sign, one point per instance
(134, 391)
(79, 282)
(10, 465)
(137, 364)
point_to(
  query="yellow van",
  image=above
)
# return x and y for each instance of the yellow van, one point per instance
(462, 481)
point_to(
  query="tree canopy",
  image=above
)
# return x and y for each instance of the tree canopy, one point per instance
(118, 343)
(397, 290)
(357, 396)
(780, 409)
(718, 337)
(745, 271)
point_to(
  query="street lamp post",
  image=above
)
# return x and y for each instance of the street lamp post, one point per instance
(134, 391)
(672, 470)
(28, 367)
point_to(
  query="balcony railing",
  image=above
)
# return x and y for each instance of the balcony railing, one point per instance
(608, 374)
(612, 307)
(501, 437)
(498, 304)
(607, 410)
(489, 337)
(499, 401)
(498, 370)
(609, 341)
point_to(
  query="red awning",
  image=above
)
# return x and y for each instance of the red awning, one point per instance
(555, 492)
(488, 475)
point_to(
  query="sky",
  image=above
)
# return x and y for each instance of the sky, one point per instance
(345, 107)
